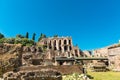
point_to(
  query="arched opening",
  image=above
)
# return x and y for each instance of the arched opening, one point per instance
(72, 55)
(55, 48)
(50, 43)
(60, 48)
(65, 41)
(65, 48)
(70, 42)
(50, 46)
(76, 53)
(54, 42)
(59, 42)
(70, 48)
(61, 63)
(68, 54)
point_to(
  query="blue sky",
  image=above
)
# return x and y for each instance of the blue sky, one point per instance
(91, 23)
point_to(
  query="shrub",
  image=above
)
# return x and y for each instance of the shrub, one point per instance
(2, 40)
(10, 40)
(24, 41)
(1, 36)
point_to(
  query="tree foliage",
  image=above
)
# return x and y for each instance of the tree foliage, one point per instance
(42, 36)
(10, 40)
(27, 35)
(20, 39)
(24, 41)
(1, 36)
(33, 37)
(2, 40)
(19, 36)
(55, 35)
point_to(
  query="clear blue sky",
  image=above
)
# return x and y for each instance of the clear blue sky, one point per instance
(91, 23)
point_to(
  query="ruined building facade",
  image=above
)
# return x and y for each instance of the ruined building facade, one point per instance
(112, 52)
(62, 46)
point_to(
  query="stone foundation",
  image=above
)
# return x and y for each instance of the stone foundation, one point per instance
(43, 74)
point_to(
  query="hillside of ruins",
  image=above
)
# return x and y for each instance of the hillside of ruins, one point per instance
(58, 55)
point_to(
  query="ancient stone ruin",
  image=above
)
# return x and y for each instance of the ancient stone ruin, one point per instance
(112, 52)
(17, 61)
(44, 74)
(62, 46)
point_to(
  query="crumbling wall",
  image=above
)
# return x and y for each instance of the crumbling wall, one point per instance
(46, 74)
(64, 69)
(62, 46)
(114, 58)
(103, 52)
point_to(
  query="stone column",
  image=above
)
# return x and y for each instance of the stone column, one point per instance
(48, 45)
(62, 42)
(68, 48)
(62, 49)
(67, 41)
(78, 52)
(62, 45)
(74, 52)
(52, 44)
(57, 44)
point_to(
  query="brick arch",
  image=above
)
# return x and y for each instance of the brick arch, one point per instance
(60, 42)
(65, 41)
(54, 42)
(69, 41)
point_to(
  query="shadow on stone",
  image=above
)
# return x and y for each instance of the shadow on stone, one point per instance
(90, 77)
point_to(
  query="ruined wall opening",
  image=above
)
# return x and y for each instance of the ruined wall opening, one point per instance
(76, 53)
(65, 41)
(50, 43)
(72, 55)
(60, 48)
(70, 42)
(50, 47)
(59, 42)
(68, 54)
(70, 48)
(65, 48)
(36, 61)
(61, 63)
(55, 48)
(55, 43)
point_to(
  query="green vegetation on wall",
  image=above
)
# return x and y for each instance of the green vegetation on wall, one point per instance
(42, 36)
(1, 36)
(19, 39)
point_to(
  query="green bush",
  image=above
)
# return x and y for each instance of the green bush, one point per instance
(10, 40)
(24, 41)
(1, 36)
(2, 40)
(74, 76)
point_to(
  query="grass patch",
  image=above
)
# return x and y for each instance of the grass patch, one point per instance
(104, 75)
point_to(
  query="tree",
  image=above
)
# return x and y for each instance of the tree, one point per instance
(55, 35)
(10, 40)
(1, 36)
(27, 35)
(42, 36)
(33, 37)
(19, 36)
(24, 41)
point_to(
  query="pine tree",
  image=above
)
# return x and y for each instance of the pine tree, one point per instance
(27, 35)
(1, 35)
(20, 36)
(33, 37)
(42, 36)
